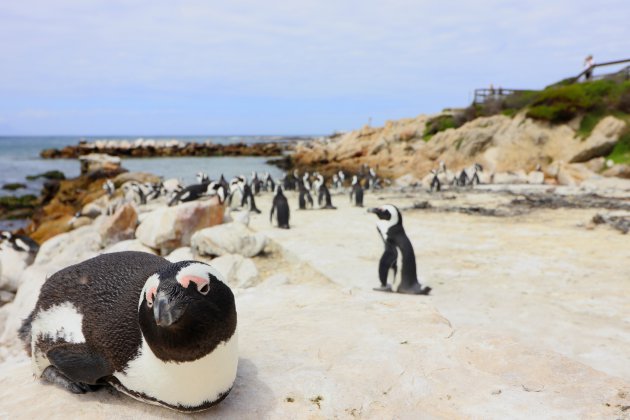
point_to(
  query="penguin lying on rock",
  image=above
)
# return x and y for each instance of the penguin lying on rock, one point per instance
(397, 244)
(161, 332)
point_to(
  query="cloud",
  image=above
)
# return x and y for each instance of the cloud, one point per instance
(150, 53)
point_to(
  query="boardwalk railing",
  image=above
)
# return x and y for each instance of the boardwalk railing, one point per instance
(483, 95)
(626, 70)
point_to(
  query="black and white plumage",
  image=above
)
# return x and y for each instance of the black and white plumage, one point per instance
(109, 187)
(269, 184)
(20, 243)
(280, 206)
(356, 192)
(189, 193)
(249, 200)
(161, 332)
(323, 195)
(202, 178)
(304, 197)
(397, 244)
(436, 185)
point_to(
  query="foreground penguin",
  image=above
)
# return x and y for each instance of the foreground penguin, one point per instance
(163, 333)
(280, 206)
(397, 244)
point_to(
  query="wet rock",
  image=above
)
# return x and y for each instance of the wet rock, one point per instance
(237, 270)
(169, 228)
(119, 226)
(229, 238)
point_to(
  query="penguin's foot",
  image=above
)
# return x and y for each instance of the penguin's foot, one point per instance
(416, 289)
(53, 375)
(387, 288)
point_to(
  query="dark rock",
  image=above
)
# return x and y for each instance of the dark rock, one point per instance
(58, 175)
(13, 186)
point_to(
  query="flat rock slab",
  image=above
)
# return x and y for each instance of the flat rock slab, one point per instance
(313, 351)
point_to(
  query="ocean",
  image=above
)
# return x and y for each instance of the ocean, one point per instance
(19, 157)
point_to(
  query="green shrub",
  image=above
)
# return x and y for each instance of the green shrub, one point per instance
(437, 124)
(621, 152)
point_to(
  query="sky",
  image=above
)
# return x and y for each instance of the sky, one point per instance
(205, 67)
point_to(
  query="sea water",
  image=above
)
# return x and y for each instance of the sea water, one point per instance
(19, 157)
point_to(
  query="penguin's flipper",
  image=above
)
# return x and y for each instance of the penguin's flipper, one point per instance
(54, 376)
(79, 364)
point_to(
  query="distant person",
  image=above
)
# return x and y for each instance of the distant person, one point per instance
(588, 65)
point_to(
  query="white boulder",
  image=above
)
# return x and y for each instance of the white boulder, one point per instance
(237, 270)
(230, 238)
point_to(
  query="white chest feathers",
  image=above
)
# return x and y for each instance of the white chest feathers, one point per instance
(186, 384)
(383, 226)
(61, 322)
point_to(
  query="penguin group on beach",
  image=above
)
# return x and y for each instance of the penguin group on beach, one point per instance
(163, 333)
(466, 177)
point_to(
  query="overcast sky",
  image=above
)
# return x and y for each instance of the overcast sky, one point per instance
(280, 67)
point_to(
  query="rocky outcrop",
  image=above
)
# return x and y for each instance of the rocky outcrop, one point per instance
(500, 143)
(99, 162)
(229, 238)
(155, 148)
(168, 228)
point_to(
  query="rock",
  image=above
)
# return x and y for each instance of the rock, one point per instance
(409, 180)
(237, 270)
(180, 254)
(141, 177)
(536, 177)
(70, 247)
(12, 263)
(169, 228)
(620, 171)
(96, 162)
(129, 245)
(601, 141)
(275, 280)
(596, 164)
(6, 297)
(77, 222)
(119, 226)
(510, 178)
(230, 238)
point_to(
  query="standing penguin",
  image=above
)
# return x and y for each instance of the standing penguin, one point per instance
(304, 196)
(435, 181)
(281, 206)
(397, 244)
(357, 191)
(163, 333)
(324, 195)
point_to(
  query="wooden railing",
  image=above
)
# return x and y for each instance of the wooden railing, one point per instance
(482, 95)
(608, 63)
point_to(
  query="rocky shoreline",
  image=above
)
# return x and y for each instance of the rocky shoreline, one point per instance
(169, 148)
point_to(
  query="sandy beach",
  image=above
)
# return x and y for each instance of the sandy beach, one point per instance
(528, 317)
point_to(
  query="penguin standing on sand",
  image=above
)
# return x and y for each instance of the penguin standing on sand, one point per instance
(397, 244)
(161, 332)
(304, 196)
(280, 206)
(248, 198)
(357, 191)
(324, 195)
(435, 181)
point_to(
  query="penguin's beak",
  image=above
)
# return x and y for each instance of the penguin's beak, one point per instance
(372, 210)
(166, 312)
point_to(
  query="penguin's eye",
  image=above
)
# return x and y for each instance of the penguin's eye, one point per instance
(150, 295)
(203, 284)
(204, 289)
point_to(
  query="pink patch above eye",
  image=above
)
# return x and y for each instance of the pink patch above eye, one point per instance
(199, 281)
(151, 294)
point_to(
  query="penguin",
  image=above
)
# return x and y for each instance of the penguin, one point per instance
(202, 178)
(270, 185)
(357, 191)
(435, 182)
(304, 196)
(21, 243)
(140, 193)
(280, 205)
(463, 178)
(474, 179)
(189, 193)
(109, 187)
(163, 333)
(235, 199)
(397, 244)
(324, 195)
(248, 197)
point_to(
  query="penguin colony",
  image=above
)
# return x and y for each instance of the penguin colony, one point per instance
(163, 333)
(166, 333)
